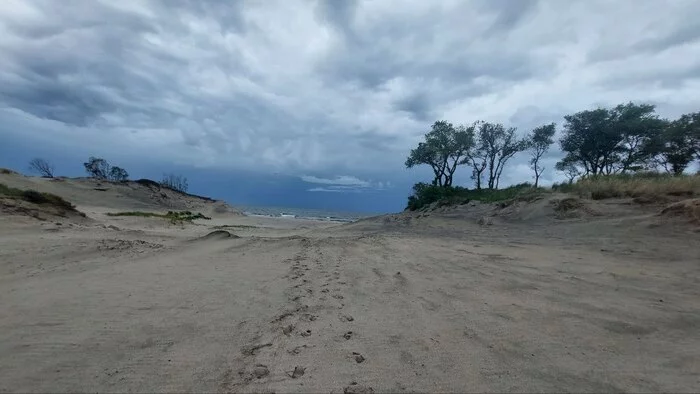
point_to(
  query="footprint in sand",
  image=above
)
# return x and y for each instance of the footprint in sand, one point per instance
(358, 357)
(297, 349)
(355, 388)
(347, 335)
(260, 371)
(345, 318)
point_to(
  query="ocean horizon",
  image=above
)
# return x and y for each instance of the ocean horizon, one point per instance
(303, 213)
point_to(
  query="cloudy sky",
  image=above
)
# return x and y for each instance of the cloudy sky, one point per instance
(317, 103)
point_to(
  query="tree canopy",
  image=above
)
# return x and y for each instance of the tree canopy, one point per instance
(443, 149)
(97, 167)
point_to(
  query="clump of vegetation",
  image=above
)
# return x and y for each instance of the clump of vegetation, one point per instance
(424, 195)
(173, 216)
(36, 197)
(7, 171)
(647, 184)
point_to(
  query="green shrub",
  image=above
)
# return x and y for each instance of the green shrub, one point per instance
(425, 194)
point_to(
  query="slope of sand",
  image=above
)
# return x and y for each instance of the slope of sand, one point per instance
(604, 298)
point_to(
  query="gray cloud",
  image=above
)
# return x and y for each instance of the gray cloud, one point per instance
(508, 13)
(327, 87)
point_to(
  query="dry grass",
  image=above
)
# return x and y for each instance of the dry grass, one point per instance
(648, 186)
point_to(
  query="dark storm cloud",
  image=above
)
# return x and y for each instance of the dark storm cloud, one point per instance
(330, 88)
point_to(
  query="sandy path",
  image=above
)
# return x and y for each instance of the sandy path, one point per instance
(87, 310)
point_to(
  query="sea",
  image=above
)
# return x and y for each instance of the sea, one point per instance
(303, 213)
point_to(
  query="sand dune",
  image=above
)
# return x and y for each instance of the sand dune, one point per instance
(602, 297)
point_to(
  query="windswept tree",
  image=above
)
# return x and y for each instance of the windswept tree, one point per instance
(606, 141)
(175, 182)
(539, 141)
(97, 167)
(444, 148)
(42, 167)
(638, 127)
(590, 141)
(677, 146)
(118, 174)
(689, 126)
(497, 144)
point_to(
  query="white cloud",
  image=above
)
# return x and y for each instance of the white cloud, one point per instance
(338, 180)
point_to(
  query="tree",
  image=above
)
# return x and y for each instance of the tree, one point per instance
(607, 141)
(638, 126)
(175, 182)
(97, 167)
(569, 169)
(539, 142)
(690, 123)
(497, 145)
(118, 174)
(676, 146)
(589, 140)
(42, 167)
(445, 147)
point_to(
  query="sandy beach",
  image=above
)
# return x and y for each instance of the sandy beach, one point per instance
(439, 302)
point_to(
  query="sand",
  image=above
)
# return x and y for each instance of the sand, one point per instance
(526, 301)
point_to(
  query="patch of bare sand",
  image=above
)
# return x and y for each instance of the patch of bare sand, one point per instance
(431, 303)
